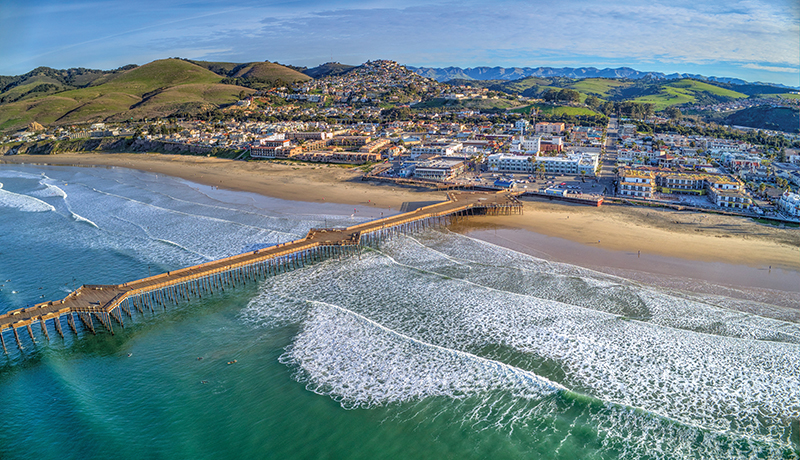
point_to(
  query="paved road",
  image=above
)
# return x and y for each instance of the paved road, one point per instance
(609, 156)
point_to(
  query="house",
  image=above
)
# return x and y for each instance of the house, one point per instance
(789, 204)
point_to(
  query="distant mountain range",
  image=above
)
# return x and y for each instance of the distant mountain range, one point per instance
(516, 73)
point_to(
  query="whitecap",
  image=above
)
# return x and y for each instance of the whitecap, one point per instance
(50, 190)
(361, 363)
(24, 203)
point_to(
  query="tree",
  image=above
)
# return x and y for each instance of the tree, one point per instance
(569, 95)
(592, 101)
(673, 112)
(550, 95)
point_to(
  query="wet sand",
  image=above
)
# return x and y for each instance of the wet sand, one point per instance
(638, 243)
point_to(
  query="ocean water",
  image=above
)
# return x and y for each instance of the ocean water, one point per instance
(435, 345)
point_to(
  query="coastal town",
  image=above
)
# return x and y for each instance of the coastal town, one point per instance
(364, 118)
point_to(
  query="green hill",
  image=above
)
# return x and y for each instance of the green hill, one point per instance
(661, 93)
(766, 117)
(600, 87)
(328, 69)
(253, 74)
(546, 109)
(160, 88)
(688, 92)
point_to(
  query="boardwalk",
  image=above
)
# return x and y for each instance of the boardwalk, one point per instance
(104, 305)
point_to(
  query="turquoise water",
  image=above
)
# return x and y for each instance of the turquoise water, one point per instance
(435, 345)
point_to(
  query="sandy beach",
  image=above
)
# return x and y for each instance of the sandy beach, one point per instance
(663, 233)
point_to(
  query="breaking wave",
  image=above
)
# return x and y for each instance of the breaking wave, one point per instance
(463, 320)
(24, 203)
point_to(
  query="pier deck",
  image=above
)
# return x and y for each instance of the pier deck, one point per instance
(104, 302)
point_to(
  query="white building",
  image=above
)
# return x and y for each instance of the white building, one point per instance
(443, 149)
(527, 145)
(789, 204)
(501, 162)
(574, 163)
(440, 170)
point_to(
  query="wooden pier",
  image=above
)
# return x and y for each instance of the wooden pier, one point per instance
(103, 306)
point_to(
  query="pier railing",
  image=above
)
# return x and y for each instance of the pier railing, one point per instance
(106, 304)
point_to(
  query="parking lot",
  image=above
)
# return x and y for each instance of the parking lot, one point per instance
(571, 183)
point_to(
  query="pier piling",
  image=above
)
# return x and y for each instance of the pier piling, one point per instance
(105, 302)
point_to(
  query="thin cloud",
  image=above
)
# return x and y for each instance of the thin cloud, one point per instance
(769, 68)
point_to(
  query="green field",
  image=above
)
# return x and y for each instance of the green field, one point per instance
(685, 92)
(698, 86)
(546, 109)
(597, 86)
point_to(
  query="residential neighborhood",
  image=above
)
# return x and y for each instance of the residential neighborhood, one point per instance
(364, 117)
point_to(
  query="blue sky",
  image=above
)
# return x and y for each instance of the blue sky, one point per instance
(753, 40)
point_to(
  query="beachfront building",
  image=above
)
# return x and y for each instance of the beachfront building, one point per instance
(436, 148)
(270, 148)
(375, 146)
(440, 169)
(636, 183)
(353, 158)
(574, 163)
(726, 192)
(502, 162)
(723, 191)
(789, 204)
(729, 198)
(681, 183)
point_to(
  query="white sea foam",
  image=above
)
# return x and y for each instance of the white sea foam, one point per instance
(363, 364)
(693, 363)
(50, 190)
(24, 203)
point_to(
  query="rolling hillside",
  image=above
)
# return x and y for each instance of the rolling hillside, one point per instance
(44, 80)
(253, 74)
(765, 117)
(661, 93)
(688, 92)
(160, 88)
(328, 69)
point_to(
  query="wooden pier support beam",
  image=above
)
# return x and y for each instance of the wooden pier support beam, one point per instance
(30, 333)
(16, 336)
(71, 322)
(117, 317)
(57, 324)
(88, 323)
(3, 341)
(44, 329)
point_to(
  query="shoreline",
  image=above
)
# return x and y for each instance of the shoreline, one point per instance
(581, 230)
